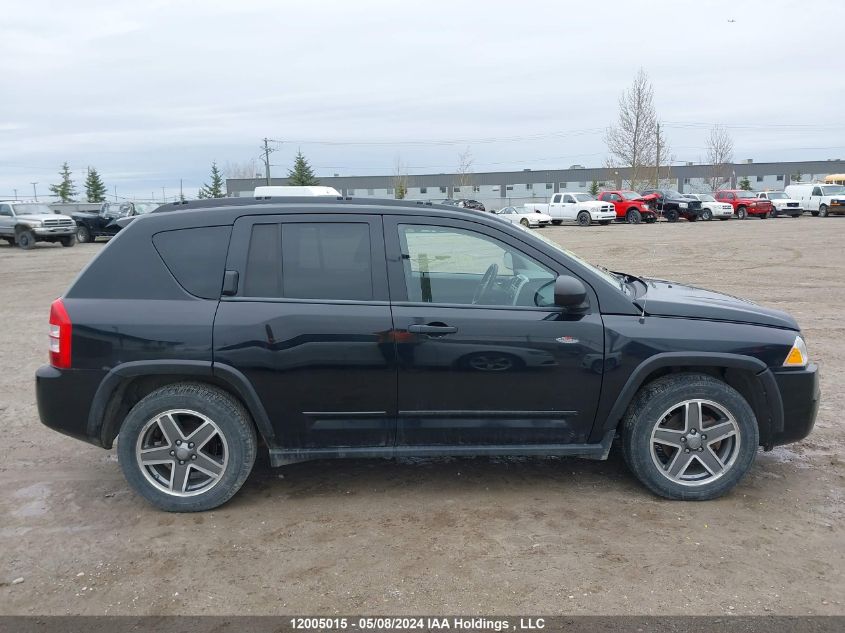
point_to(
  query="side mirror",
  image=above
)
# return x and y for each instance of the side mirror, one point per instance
(570, 292)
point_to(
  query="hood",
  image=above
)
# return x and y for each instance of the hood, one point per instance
(667, 298)
(648, 198)
(40, 217)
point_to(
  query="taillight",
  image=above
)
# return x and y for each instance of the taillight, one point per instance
(60, 335)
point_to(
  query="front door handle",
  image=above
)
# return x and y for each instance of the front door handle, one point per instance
(433, 329)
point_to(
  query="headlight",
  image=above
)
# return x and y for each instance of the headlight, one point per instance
(797, 356)
(34, 224)
(682, 205)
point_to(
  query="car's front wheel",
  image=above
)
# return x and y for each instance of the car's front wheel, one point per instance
(707, 215)
(25, 239)
(633, 216)
(689, 436)
(584, 219)
(671, 215)
(187, 447)
(742, 213)
(83, 234)
(524, 222)
(68, 241)
(823, 210)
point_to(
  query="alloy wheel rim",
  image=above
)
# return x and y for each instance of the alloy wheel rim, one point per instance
(182, 452)
(695, 442)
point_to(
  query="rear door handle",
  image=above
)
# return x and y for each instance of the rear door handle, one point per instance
(432, 329)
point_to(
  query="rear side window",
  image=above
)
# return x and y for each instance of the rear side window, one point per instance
(310, 261)
(196, 257)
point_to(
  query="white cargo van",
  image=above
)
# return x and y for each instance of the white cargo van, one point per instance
(818, 198)
(272, 191)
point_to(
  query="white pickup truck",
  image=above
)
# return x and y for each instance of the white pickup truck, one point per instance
(578, 207)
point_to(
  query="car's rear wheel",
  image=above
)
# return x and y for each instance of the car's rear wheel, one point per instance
(823, 211)
(187, 447)
(633, 216)
(83, 234)
(524, 222)
(583, 219)
(689, 436)
(742, 213)
(764, 216)
(25, 239)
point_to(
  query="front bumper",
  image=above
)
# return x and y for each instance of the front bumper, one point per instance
(55, 231)
(789, 210)
(800, 394)
(64, 399)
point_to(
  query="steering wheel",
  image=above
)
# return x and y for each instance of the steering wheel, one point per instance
(486, 283)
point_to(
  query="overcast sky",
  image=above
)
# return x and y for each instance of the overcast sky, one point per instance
(149, 92)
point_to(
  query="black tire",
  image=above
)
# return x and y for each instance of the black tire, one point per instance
(10, 240)
(83, 234)
(692, 218)
(815, 214)
(723, 219)
(68, 241)
(661, 396)
(798, 215)
(524, 222)
(742, 213)
(229, 416)
(633, 216)
(773, 213)
(605, 222)
(706, 215)
(25, 239)
(823, 213)
(584, 219)
(764, 216)
(671, 215)
(557, 222)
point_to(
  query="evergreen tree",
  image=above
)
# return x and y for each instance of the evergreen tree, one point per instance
(745, 184)
(594, 188)
(215, 188)
(65, 190)
(301, 175)
(797, 176)
(95, 190)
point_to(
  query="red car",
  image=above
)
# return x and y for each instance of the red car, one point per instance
(630, 206)
(745, 203)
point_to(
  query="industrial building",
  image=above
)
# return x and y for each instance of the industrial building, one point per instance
(503, 188)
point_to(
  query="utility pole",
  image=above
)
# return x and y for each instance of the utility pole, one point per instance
(181, 195)
(163, 197)
(657, 167)
(34, 190)
(266, 151)
(115, 193)
(16, 194)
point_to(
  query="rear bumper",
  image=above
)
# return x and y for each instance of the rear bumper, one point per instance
(64, 399)
(800, 394)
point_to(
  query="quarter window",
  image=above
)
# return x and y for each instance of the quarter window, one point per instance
(310, 261)
(454, 266)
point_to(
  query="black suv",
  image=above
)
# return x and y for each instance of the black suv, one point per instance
(673, 206)
(357, 328)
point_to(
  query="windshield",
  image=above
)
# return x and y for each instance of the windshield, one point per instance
(776, 195)
(833, 189)
(706, 197)
(746, 194)
(630, 195)
(145, 207)
(33, 209)
(604, 273)
(583, 197)
(672, 194)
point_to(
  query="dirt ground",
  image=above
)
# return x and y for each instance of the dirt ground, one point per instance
(470, 536)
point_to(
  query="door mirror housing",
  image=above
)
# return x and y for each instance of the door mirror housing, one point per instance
(570, 292)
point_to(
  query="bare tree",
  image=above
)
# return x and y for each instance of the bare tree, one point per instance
(464, 171)
(400, 179)
(720, 154)
(634, 141)
(246, 169)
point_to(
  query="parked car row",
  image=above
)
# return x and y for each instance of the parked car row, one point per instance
(646, 206)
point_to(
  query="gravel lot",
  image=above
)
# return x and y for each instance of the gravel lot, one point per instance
(473, 536)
